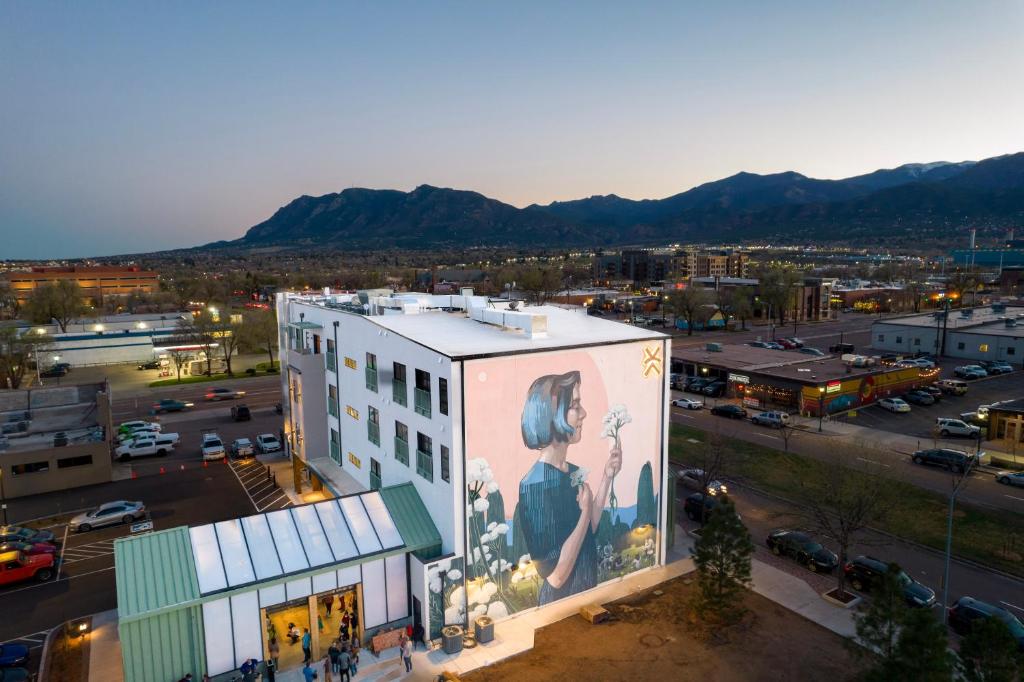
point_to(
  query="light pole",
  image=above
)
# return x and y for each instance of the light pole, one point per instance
(821, 405)
(3, 497)
(949, 534)
(704, 396)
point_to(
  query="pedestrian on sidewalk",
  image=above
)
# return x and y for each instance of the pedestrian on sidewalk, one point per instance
(307, 645)
(329, 604)
(275, 651)
(407, 653)
(327, 667)
(308, 674)
(344, 663)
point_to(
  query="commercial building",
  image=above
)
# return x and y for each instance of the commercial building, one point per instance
(810, 298)
(1006, 428)
(97, 282)
(789, 380)
(994, 332)
(54, 438)
(440, 442)
(651, 266)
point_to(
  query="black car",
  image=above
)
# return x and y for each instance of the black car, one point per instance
(967, 610)
(729, 410)
(864, 574)
(919, 398)
(30, 535)
(241, 413)
(695, 384)
(152, 364)
(803, 549)
(53, 373)
(714, 389)
(692, 506)
(954, 460)
(841, 348)
(932, 390)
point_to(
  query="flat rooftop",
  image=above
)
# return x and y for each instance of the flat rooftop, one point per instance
(30, 419)
(782, 364)
(979, 316)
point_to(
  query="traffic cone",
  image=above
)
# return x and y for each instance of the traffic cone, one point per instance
(135, 474)
(161, 470)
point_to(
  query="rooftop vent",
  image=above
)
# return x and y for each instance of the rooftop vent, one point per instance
(999, 307)
(534, 326)
(1010, 323)
(714, 347)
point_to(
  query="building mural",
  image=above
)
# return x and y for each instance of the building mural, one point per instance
(842, 395)
(563, 456)
(446, 594)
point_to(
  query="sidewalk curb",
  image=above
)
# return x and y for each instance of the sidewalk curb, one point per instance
(960, 560)
(44, 654)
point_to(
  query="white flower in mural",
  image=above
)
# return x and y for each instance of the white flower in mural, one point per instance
(478, 471)
(516, 577)
(616, 417)
(476, 555)
(577, 477)
(457, 595)
(453, 614)
(478, 610)
(435, 584)
(454, 574)
(481, 504)
(492, 486)
(525, 559)
(497, 567)
(497, 610)
(445, 565)
(490, 589)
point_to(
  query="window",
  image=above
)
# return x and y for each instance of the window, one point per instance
(1010, 350)
(917, 342)
(332, 357)
(332, 400)
(352, 412)
(422, 393)
(402, 443)
(445, 463)
(399, 389)
(30, 468)
(960, 345)
(350, 363)
(899, 339)
(335, 447)
(68, 462)
(373, 425)
(424, 456)
(442, 394)
(983, 348)
(881, 337)
(316, 344)
(371, 372)
(374, 474)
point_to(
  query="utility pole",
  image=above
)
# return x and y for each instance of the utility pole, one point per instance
(949, 534)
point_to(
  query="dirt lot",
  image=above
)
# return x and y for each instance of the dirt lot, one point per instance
(648, 638)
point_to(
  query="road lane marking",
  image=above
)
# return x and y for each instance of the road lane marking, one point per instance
(767, 435)
(275, 501)
(871, 461)
(1014, 497)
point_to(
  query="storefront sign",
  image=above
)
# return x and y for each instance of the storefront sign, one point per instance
(739, 378)
(833, 386)
(355, 460)
(751, 401)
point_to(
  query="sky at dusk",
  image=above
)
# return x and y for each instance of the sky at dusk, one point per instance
(136, 126)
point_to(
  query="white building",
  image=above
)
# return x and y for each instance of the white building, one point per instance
(992, 333)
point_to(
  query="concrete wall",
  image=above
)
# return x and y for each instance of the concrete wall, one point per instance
(968, 345)
(905, 338)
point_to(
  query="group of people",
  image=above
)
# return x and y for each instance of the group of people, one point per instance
(342, 658)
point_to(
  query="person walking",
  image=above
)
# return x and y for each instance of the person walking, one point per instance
(344, 661)
(327, 667)
(308, 674)
(275, 651)
(407, 653)
(333, 651)
(328, 604)
(307, 645)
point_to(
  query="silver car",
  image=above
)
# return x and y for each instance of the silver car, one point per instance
(1011, 478)
(108, 514)
(693, 479)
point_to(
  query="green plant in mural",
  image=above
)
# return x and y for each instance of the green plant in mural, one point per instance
(616, 418)
(646, 502)
(489, 591)
(446, 601)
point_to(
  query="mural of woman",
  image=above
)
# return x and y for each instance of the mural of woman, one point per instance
(559, 511)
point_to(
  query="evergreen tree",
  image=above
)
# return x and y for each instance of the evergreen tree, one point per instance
(878, 624)
(990, 653)
(605, 534)
(646, 506)
(722, 555)
(922, 653)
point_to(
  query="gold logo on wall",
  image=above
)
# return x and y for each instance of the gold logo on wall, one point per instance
(651, 363)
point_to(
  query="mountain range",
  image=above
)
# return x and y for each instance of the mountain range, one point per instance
(920, 202)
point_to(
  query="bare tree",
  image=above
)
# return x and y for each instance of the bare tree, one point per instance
(180, 358)
(693, 304)
(59, 302)
(843, 497)
(229, 335)
(17, 352)
(259, 332)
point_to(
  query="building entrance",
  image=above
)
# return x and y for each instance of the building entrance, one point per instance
(284, 626)
(328, 616)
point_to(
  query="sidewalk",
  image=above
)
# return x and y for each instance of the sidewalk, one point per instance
(105, 649)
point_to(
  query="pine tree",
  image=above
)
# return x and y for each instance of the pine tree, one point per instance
(878, 625)
(990, 653)
(922, 652)
(722, 555)
(646, 506)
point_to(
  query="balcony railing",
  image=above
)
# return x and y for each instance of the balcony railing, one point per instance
(332, 407)
(332, 361)
(402, 451)
(425, 464)
(336, 452)
(373, 432)
(400, 392)
(371, 379)
(422, 402)
(374, 481)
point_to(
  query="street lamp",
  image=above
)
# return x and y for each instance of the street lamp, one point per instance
(704, 396)
(949, 533)
(821, 405)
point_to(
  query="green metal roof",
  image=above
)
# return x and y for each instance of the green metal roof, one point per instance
(413, 520)
(154, 571)
(302, 324)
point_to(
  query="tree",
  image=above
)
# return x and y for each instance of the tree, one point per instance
(778, 289)
(842, 501)
(259, 332)
(741, 304)
(180, 358)
(17, 352)
(922, 653)
(229, 334)
(990, 653)
(59, 302)
(693, 304)
(878, 624)
(9, 303)
(722, 556)
(646, 503)
(709, 460)
(203, 331)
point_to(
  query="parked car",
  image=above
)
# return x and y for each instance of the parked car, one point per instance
(242, 447)
(241, 413)
(129, 436)
(158, 445)
(128, 427)
(694, 480)
(841, 348)
(150, 364)
(807, 350)
(803, 549)
(956, 427)
(894, 405)
(864, 574)
(696, 384)
(212, 447)
(729, 410)
(14, 675)
(997, 367)
(66, 366)
(923, 363)
(13, 654)
(16, 567)
(774, 345)
(223, 394)
(970, 372)
(687, 403)
(786, 344)
(28, 547)
(967, 611)
(975, 417)
(693, 504)
(171, 405)
(108, 514)
(53, 373)
(933, 391)
(919, 398)
(30, 535)
(267, 442)
(714, 389)
(954, 460)
(775, 420)
(797, 342)
(952, 386)
(1014, 478)
(757, 344)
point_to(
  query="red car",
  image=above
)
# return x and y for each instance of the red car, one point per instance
(28, 547)
(16, 567)
(786, 343)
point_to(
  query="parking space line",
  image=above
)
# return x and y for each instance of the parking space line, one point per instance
(266, 488)
(767, 435)
(1014, 497)
(280, 497)
(1012, 606)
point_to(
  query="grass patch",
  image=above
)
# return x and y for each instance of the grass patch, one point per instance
(202, 379)
(993, 538)
(266, 368)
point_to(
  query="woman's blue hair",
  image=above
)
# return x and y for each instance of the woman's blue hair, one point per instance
(547, 404)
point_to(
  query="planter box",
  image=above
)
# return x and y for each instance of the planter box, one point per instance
(853, 600)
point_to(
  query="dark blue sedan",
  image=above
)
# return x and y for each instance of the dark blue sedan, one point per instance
(13, 655)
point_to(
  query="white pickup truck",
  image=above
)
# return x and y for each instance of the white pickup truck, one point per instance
(149, 445)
